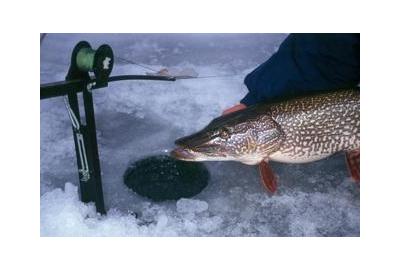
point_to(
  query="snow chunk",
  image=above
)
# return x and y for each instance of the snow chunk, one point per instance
(191, 206)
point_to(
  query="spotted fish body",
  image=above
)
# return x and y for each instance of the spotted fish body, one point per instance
(296, 130)
(317, 126)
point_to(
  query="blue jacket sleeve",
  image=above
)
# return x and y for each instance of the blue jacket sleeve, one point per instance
(306, 63)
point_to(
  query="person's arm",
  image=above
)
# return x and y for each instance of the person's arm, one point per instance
(306, 63)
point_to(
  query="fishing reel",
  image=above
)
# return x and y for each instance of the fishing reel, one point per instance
(85, 60)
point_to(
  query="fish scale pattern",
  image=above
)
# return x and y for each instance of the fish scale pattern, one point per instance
(318, 126)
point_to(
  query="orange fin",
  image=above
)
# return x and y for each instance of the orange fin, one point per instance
(353, 164)
(268, 178)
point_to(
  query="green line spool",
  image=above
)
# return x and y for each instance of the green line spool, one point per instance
(85, 59)
(100, 61)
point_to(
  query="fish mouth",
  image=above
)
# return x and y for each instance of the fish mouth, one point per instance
(186, 147)
(196, 147)
(182, 154)
(198, 154)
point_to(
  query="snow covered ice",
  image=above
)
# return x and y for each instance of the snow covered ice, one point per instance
(136, 119)
(191, 206)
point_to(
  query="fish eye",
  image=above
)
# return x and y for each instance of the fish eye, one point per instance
(224, 133)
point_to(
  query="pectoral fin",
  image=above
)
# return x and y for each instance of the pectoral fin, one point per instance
(268, 178)
(353, 164)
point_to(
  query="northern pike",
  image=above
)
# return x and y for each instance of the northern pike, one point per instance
(296, 130)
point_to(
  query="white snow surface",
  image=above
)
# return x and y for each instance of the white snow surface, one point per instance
(137, 119)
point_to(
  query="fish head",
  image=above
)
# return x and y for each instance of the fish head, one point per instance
(247, 136)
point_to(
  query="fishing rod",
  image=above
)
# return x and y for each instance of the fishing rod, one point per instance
(62, 88)
(89, 69)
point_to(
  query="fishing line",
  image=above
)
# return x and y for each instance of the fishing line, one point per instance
(135, 63)
(212, 76)
(177, 77)
(43, 35)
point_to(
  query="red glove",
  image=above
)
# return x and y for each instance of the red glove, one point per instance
(235, 108)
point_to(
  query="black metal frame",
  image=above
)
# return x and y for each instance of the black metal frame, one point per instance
(77, 80)
(62, 88)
